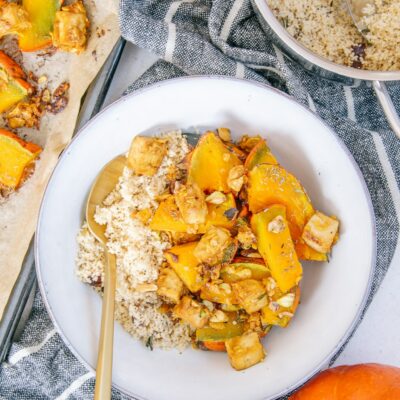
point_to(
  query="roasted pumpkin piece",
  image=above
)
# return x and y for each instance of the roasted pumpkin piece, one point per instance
(305, 252)
(143, 216)
(260, 154)
(146, 154)
(276, 246)
(251, 295)
(231, 329)
(271, 184)
(244, 351)
(212, 346)
(191, 202)
(13, 19)
(182, 259)
(15, 156)
(212, 245)
(192, 312)
(168, 217)
(13, 86)
(70, 28)
(320, 231)
(41, 16)
(169, 286)
(221, 293)
(210, 164)
(244, 268)
(281, 307)
(222, 215)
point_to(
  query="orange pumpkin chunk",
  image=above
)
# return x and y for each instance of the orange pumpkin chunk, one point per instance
(41, 16)
(276, 246)
(260, 154)
(13, 87)
(210, 164)
(271, 184)
(15, 156)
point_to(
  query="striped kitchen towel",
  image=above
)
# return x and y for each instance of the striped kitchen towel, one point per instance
(221, 37)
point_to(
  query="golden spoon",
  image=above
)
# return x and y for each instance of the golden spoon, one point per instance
(102, 187)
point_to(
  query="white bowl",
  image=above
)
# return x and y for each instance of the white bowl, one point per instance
(333, 294)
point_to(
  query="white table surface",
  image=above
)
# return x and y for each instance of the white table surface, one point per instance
(378, 336)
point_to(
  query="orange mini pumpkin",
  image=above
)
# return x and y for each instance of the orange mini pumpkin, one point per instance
(355, 382)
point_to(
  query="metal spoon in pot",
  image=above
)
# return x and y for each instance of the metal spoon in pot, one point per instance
(359, 9)
(102, 187)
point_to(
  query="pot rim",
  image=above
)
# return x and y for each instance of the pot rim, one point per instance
(315, 59)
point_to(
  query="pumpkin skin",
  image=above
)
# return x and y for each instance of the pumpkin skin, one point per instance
(41, 15)
(355, 382)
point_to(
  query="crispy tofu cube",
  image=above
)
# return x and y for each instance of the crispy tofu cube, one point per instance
(191, 202)
(70, 28)
(14, 18)
(211, 247)
(244, 351)
(218, 293)
(192, 312)
(251, 294)
(170, 287)
(320, 231)
(146, 154)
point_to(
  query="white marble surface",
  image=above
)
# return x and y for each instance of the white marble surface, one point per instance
(378, 336)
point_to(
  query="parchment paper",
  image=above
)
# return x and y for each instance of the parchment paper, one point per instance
(18, 215)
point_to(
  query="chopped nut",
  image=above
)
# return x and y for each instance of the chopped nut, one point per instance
(59, 99)
(45, 96)
(277, 225)
(42, 79)
(246, 237)
(236, 178)
(146, 287)
(247, 143)
(216, 198)
(273, 306)
(224, 134)
(226, 287)
(209, 305)
(285, 314)
(287, 300)
(270, 285)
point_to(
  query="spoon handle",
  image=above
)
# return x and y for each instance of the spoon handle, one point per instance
(104, 361)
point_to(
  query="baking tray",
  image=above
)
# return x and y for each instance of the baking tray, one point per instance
(20, 303)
